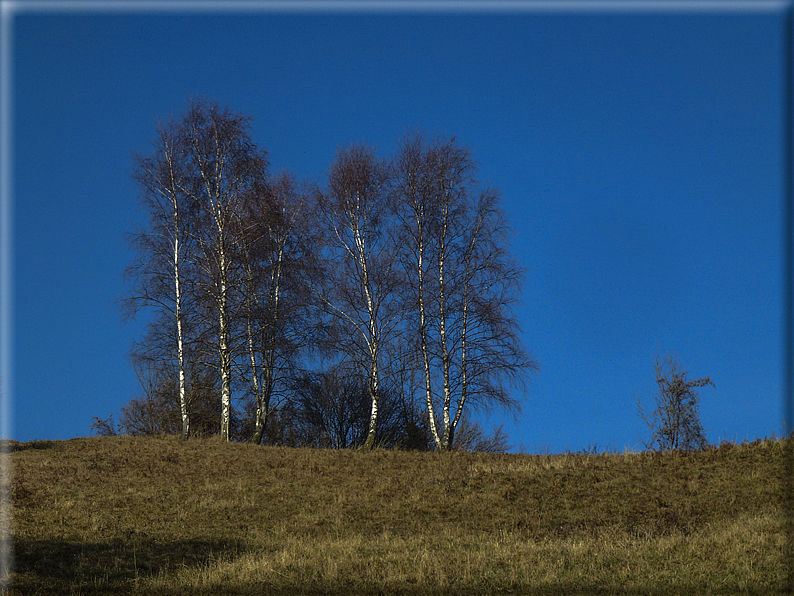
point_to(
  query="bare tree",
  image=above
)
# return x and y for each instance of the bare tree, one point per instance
(332, 409)
(156, 410)
(406, 263)
(103, 427)
(415, 207)
(470, 436)
(224, 167)
(164, 249)
(675, 420)
(203, 167)
(276, 257)
(461, 282)
(360, 273)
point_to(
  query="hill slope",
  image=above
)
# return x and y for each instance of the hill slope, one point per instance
(162, 516)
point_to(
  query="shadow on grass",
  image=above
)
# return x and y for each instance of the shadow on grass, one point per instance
(8, 446)
(59, 567)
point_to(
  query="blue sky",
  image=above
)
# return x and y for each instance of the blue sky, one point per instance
(639, 154)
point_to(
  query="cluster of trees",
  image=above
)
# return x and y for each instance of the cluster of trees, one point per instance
(372, 308)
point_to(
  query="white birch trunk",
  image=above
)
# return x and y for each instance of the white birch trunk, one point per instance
(179, 342)
(423, 341)
(223, 348)
(464, 381)
(264, 391)
(445, 355)
(252, 356)
(372, 342)
(373, 417)
(180, 353)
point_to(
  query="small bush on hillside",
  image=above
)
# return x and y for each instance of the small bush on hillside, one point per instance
(675, 421)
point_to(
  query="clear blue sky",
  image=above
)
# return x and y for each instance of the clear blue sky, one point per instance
(639, 155)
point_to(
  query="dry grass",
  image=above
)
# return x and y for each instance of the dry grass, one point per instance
(161, 516)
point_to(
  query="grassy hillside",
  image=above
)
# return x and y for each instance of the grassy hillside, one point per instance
(161, 516)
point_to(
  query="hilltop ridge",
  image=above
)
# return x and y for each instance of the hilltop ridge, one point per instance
(164, 516)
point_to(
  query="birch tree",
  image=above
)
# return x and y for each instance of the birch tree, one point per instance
(276, 257)
(461, 283)
(361, 270)
(224, 167)
(415, 206)
(164, 248)
(490, 359)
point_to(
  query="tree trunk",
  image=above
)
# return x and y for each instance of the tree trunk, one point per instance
(423, 341)
(179, 344)
(446, 439)
(224, 352)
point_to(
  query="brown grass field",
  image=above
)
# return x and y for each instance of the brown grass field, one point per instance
(123, 515)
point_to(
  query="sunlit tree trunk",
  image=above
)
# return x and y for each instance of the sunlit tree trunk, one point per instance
(414, 206)
(423, 334)
(372, 339)
(177, 233)
(466, 317)
(226, 167)
(276, 258)
(263, 390)
(223, 349)
(161, 177)
(447, 434)
(468, 271)
(361, 285)
(179, 338)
